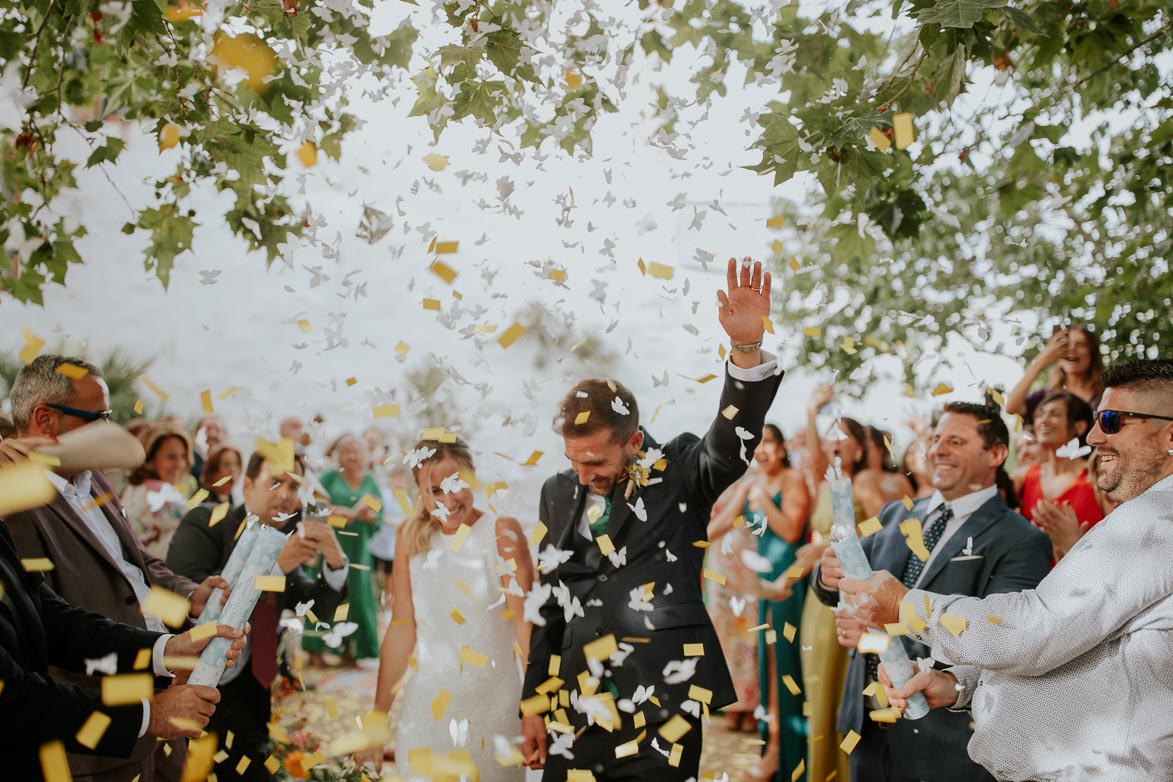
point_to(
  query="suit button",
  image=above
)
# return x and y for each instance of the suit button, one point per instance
(131, 600)
(602, 576)
(598, 632)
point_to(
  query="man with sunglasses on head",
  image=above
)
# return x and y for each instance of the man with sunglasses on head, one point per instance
(99, 564)
(1069, 680)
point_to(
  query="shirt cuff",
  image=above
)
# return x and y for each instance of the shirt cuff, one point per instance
(336, 579)
(142, 731)
(157, 657)
(768, 368)
(968, 677)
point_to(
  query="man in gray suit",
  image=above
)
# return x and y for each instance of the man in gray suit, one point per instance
(977, 546)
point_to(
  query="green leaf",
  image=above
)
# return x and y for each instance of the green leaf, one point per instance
(171, 234)
(107, 153)
(1023, 20)
(503, 48)
(957, 13)
(145, 19)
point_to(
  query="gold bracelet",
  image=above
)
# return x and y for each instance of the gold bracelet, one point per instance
(749, 347)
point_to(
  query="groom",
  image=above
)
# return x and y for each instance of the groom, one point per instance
(624, 659)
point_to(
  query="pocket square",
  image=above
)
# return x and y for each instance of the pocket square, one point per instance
(966, 557)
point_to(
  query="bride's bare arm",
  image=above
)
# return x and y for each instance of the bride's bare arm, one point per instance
(399, 642)
(512, 546)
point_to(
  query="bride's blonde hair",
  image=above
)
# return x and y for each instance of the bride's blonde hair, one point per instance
(418, 528)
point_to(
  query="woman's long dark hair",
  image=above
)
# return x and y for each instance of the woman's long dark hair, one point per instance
(774, 430)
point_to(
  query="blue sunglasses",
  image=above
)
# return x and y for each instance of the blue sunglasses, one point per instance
(1111, 420)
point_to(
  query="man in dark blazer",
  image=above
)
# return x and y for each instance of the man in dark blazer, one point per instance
(39, 629)
(977, 546)
(201, 547)
(99, 563)
(623, 634)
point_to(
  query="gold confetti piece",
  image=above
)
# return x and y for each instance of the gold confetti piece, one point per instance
(271, 583)
(674, 729)
(168, 136)
(705, 379)
(456, 616)
(272, 764)
(627, 749)
(24, 485)
(539, 532)
(795, 571)
(914, 537)
(248, 53)
(582, 418)
(553, 684)
(228, 393)
(902, 124)
(72, 371)
(872, 642)
(701, 543)
(895, 629)
(605, 545)
(127, 688)
(167, 606)
(201, 757)
(941, 389)
(471, 657)
(880, 139)
(440, 705)
(404, 502)
(954, 623)
(32, 345)
(402, 348)
(813, 331)
(511, 334)
(307, 153)
(305, 326)
(432, 305)
(848, 346)
(694, 650)
(775, 221)
(675, 755)
(908, 503)
(767, 324)
(242, 766)
(93, 729)
(443, 271)
(788, 631)
(555, 664)
(700, 694)
(54, 765)
(342, 612)
(446, 248)
(661, 271)
(435, 161)
(372, 502)
(458, 537)
(218, 513)
(713, 575)
(538, 704)
(600, 648)
(154, 388)
(639, 720)
(771, 637)
(198, 498)
(888, 715)
(142, 659)
(37, 564)
(572, 78)
(533, 459)
(994, 620)
(799, 770)
(849, 742)
(138, 407)
(776, 247)
(200, 632)
(557, 275)
(908, 616)
(579, 775)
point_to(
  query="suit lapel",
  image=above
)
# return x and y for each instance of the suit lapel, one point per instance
(975, 525)
(114, 513)
(572, 497)
(621, 511)
(75, 522)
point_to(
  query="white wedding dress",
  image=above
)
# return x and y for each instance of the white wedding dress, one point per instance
(458, 605)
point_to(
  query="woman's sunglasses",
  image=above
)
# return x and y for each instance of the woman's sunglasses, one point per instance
(85, 415)
(1111, 420)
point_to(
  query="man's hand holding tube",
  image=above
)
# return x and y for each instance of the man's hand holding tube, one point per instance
(876, 599)
(939, 687)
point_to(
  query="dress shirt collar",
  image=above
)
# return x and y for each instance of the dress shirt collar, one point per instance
(77, 487)
(965, 506)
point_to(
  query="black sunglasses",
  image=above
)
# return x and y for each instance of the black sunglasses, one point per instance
(1111, 420)
(85, 415)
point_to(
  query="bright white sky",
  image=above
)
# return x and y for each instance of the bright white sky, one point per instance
(228, 321)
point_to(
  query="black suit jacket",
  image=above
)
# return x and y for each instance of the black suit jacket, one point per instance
(39, 629)
(1009, 555)
(198, 550)
(658, 528)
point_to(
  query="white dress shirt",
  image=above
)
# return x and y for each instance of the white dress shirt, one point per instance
(963, 508)
(1072, 680)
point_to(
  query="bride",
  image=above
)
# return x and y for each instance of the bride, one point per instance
(457, 607)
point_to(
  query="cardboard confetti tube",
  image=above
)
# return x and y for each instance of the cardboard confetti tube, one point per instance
(266, 548)
(855, 564)
(231, 572)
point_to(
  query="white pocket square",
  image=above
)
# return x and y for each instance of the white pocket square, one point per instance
(965, 557)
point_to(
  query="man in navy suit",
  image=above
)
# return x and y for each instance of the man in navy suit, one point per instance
(977, 546)
(623, 633)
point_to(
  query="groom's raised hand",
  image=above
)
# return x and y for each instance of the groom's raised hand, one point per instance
(744, 309)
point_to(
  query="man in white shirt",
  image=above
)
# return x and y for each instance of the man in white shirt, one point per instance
(99, 564)
(1070, 680)
(973, 544)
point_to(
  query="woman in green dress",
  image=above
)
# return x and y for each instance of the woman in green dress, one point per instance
(776, 507)
(824, 661)
(355, 495)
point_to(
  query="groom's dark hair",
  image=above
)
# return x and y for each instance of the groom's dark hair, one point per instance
(594, 404)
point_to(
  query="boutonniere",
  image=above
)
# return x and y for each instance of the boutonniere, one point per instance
(634, 475)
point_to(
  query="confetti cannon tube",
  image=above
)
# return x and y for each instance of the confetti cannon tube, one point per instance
(845, 541)
(261, 560)
(231, 571)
